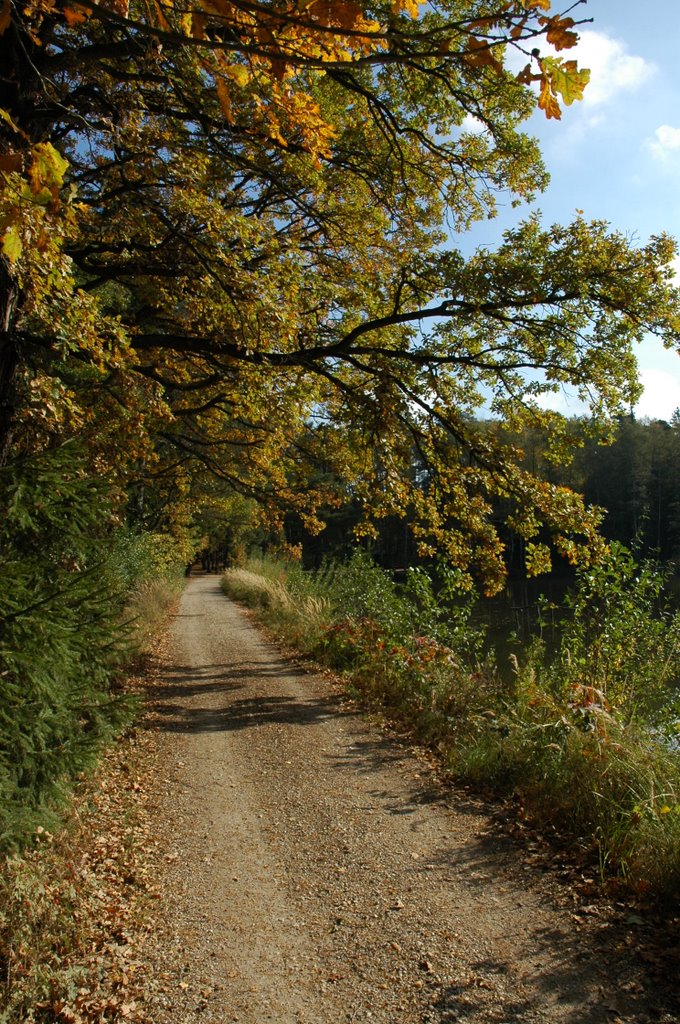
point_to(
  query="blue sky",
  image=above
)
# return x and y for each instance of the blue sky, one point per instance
(616, 154)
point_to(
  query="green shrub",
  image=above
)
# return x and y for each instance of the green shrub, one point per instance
(621, 639)
(67, 572)
(583, 739)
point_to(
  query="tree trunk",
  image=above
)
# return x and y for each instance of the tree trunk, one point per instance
(9, 358)
(21, 98)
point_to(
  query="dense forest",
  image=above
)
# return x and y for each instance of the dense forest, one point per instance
(232, 298)
(637, 481)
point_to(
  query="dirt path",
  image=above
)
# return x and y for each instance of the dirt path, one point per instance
(319, 874)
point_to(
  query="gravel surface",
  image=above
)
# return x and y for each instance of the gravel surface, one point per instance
(317, 872)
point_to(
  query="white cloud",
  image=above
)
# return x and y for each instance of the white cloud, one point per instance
(676, 269)
(666, 142)
(472, 125)
(659, 374)
(612, 69)
(564, 401)
(659, 401)
(661, 396)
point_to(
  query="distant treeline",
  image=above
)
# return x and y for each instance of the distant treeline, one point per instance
(636, 479)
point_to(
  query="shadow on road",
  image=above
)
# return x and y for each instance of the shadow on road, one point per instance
(205, 699)
(571, 962)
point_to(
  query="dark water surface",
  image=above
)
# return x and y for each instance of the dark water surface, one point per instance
(529, 609)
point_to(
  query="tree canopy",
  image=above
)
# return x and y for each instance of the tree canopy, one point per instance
(229, 252)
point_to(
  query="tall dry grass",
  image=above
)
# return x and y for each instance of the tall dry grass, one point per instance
(298, 614)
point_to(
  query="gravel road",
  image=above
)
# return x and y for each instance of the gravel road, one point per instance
(317, 872)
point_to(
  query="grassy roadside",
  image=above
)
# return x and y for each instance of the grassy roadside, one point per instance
(575, 740)
(68, 948)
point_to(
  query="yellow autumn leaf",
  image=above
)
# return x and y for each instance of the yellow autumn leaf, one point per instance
(12, 245)
(198, 26)
(538, 559)
(162, 20)
(47, 168)
(410, 7)
(547, 100)
(4, 115)
(559, 33)
(225, 99)
(480, 54)
(238, 73)
(566, 78)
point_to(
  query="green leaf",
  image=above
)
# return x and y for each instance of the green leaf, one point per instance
(8, 120)
(48, 167)
(566, 78)
(12, 245)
